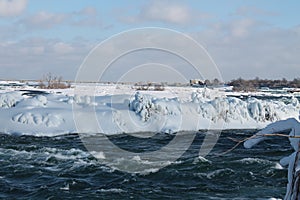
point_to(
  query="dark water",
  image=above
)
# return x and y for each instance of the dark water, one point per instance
(61, 168)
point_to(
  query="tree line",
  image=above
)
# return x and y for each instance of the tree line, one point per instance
(51, 81)
(254, 84)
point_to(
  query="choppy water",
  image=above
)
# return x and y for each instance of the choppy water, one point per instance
(61, 168)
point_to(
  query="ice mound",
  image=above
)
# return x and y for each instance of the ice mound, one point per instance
(262, 110)
(295, 102)
(82, 100)
(42, 99)
(141, 105)
(204, 94)
(49, 120)
(220, 108)
(145, 106)
(33, 102)
(10, 99)
(231, 109)
(54, 113)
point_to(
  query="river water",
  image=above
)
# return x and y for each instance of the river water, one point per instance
(62, 168)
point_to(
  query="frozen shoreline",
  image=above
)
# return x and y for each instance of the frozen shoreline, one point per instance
(120, 109)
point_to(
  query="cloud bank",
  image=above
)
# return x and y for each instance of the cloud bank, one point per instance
(244, 44)
(9, 8)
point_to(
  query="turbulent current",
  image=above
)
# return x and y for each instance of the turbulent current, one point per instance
(61, 168)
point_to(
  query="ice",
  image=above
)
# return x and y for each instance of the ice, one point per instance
(293, 126)
(276, 127)
(49, 120)
(141, 105)
(38, 101)
(294, 102)
(83, 100)
(121, 110)
(10, 99)
(278, 166)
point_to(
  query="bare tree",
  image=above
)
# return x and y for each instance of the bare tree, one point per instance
(48, 78)
(53, 82)
(216, 82)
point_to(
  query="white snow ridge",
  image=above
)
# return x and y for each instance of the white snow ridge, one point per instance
(52, 114)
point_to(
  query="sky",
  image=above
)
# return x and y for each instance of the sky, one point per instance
(245, 38)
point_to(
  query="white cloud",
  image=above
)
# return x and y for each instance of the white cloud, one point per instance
(241, 28)
(43, 19)
(87, 16)
(169, 12)
(241, 46)
(10, 8)
(253, 11)
(265, 51)
(31, 58)
(87, 11)
(62, 48)
(248, 49)
(237, 28)
(34, 50)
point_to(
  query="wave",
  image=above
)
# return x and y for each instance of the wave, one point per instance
(111, 190)
(250, 161)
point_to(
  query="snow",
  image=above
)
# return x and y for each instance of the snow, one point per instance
(292, 161)
(119, 109)
(49, 120)
(9, 99)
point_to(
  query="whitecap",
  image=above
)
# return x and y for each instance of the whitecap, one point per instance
(201, 160)
(278, 166)
(66, 187)
(149, 171)
(219, 172)
(254, 161)
(112, 190)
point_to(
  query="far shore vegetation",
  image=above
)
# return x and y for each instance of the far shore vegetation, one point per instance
(51, 81)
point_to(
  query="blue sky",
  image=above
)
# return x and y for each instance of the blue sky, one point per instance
(245, 38)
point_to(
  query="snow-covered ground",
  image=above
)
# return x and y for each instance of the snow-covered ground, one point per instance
(120, 108)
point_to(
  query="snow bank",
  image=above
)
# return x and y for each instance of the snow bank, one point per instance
(145, 106)
(49, 120)
(10, 99)
(33, 102)
(52, 114)
(220, 108)
(142, 105)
